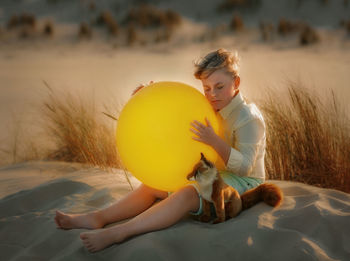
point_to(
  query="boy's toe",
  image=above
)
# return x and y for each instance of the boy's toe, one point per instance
(57, 222)
(83, 236)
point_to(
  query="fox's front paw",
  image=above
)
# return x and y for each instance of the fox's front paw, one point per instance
(204, 218)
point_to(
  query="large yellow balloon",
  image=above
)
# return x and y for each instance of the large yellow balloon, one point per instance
(154, 139)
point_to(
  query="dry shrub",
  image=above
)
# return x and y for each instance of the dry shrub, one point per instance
(286, 27)
(267, 31)
(172, 19)
(24, 20)
(236, 23)
(107, 19)
(162, 23)
(308, 36)
(307, 140)
(85, 31)
(131, 36)
(27, 20)
(104, 18)
(79, 131)
(228, 5)
(147, 16)
(26, 23)
(113, 29)
(347, 26)
(92, 6)
(13, 22)
(48, 29)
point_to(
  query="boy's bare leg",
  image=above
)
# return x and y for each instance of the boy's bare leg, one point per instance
(131, 205)
(161, 215)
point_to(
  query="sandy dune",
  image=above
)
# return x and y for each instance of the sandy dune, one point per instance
(311, 224)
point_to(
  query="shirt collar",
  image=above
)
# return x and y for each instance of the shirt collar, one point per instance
(226, 111)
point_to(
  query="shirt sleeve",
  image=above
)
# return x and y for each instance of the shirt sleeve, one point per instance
(248, 139)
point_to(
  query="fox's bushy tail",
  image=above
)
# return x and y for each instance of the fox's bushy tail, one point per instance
(267, 192)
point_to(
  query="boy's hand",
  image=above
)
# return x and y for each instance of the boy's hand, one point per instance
(205, 134)
(140, 87)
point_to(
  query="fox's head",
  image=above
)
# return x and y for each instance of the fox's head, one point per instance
(202, 170)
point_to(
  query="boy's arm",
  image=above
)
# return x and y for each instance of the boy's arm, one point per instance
(222, 148)
(207, 135)
(240, 160)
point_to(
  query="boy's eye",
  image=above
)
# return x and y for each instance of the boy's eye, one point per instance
(220, 87)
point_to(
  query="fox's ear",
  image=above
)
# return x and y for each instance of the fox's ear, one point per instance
(202, 156)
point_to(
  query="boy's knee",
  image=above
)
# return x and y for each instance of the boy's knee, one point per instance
(189, 193)
(159, 194)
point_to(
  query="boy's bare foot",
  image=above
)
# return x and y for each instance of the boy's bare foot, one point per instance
(69, 221)
(99, 239)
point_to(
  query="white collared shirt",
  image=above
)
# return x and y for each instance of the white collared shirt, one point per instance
(245, 130)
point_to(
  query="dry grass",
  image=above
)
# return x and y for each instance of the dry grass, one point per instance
(107, 19)
(131, 35)
(79, 131)
(308, 36)
(92, 6)
(13, 22)
(48, 29)
(85, 31)
(148, 16)
(286, 27)
(348, 27)
(267, 31)
(307, 139)
(229, 5)
(28, 20)
(345, 24)
(237, 23)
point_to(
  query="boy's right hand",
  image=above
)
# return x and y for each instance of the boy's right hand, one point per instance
(140, 87)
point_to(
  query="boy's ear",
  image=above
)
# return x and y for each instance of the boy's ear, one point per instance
(237, 82)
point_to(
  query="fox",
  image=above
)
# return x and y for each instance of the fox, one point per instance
(226, 199)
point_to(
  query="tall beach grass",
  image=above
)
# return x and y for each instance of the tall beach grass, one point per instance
(308, 138)
(80, 132)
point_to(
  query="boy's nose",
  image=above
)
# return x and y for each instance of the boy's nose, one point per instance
(212, 94)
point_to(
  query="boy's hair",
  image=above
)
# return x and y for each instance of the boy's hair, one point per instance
(219, 59)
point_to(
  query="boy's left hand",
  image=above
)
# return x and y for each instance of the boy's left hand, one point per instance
(205, 134)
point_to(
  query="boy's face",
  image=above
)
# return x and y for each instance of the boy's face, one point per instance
(219, 88)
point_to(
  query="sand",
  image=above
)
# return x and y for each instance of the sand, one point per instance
(311, 224)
